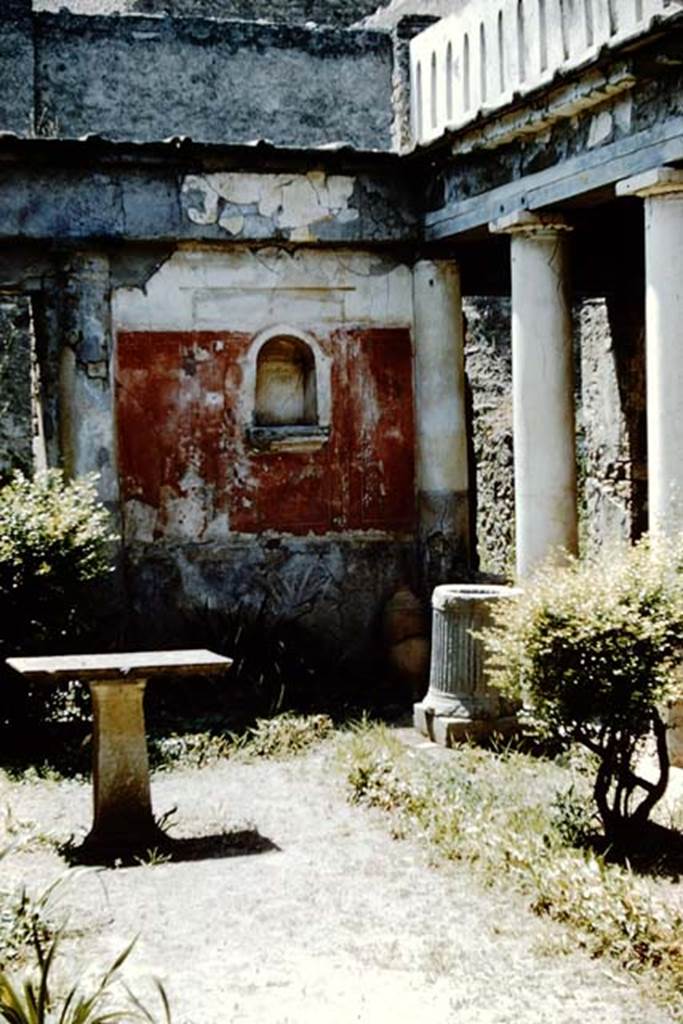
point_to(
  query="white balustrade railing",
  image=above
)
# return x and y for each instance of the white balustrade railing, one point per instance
(479, 58)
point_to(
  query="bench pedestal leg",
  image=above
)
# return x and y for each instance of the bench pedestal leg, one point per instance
(123, 817)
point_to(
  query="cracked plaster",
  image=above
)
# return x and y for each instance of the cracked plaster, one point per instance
(291, 204)
(251, 289)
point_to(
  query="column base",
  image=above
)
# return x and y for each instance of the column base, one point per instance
(447, 730)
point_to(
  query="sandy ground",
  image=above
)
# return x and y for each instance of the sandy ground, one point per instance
(326, 920)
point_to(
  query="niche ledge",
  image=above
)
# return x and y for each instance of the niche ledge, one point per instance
(288, 438)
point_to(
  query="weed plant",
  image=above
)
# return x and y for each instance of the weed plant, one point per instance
(287, 735)
(23, 917)
(522, 822)
(32, 1000)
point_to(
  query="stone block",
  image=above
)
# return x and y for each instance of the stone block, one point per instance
(448, 731)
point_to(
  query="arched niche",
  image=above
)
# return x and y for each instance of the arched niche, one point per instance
(287, 400)
(286, 391)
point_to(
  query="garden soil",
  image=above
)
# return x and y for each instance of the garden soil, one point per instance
(308, 913)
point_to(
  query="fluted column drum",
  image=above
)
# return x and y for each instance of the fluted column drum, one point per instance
(459, 701)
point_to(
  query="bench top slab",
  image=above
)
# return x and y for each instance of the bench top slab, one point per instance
(120, 667)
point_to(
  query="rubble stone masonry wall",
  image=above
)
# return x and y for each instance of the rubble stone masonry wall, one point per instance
(66, 75)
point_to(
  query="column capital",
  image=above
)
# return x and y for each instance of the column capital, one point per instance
(659, 181)
(525, 222)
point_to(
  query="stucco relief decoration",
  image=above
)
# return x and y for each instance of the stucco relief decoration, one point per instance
(290, 204)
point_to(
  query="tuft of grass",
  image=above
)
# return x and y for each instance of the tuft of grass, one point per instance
(25, 917)
(522, 822)
(284, 735)
(189, 749)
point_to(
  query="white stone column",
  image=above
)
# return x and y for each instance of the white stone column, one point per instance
(441, 420)
(662, 190)
(543, 389)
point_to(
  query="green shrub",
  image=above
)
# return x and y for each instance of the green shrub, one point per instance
(54, 545)
(54, 538)
(592, 650)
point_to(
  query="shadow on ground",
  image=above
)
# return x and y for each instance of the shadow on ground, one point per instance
(165, 849)
(655, 850)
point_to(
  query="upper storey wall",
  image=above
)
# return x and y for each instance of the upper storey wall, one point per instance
(149, 78)
(322, 12)
(16, 67)
(492, 51)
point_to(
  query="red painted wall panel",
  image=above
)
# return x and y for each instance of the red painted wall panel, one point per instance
(180, 436)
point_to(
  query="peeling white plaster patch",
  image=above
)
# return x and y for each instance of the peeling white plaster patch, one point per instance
(233, 223)
(185, 516)
(207, 211)
(218, 528)
(623, 113)
(213, 399)
(602, 126)
(294, 202)
(139, 520)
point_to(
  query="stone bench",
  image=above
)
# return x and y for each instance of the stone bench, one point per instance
(123, 819)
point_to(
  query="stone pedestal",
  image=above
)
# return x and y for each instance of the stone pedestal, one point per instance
(459, 703)
(543, 389)
(123, 821)
(123, 816)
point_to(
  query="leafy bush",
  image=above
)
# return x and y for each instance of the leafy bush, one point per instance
(591, 649)
(53, 542)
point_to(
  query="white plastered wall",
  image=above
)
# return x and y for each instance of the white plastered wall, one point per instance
(252, 290)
